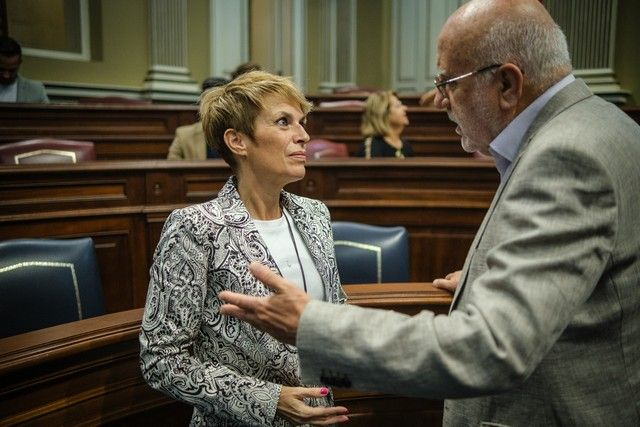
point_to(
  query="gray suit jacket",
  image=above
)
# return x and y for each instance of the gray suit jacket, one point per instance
(545, 326)
(31, 91)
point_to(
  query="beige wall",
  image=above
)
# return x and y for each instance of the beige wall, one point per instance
(123, 60)
(120, 46)
(314, 54)
(198, 53)
(373, 67)
(627, 63)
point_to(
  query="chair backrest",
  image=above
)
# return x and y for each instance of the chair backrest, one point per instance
(370, 253)
(47, 282)
(47, 151)
(318, 148)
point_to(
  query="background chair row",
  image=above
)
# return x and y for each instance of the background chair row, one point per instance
(46, 282)
(65, 151)
(323, 148)
(47, 151)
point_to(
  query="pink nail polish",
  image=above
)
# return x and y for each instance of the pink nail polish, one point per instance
(324, 391)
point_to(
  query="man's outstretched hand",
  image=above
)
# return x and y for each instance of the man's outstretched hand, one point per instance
(278, 314)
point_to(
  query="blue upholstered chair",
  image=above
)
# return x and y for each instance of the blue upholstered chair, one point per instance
(370, 253)
(46, 282)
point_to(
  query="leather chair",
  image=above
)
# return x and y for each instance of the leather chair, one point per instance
(318, 148)
(47, 151)
(47, 282)
(370, 253)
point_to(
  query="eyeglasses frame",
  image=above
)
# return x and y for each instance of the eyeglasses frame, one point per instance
(442, 86)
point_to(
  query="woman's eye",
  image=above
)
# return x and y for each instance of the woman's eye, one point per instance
(282, 121)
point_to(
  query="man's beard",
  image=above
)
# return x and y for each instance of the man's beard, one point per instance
(483, 114)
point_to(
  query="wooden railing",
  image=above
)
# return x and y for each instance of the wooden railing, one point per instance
(123, 132)
(123, 206)
(87, 372)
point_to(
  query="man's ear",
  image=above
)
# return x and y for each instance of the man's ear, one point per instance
(511, 85)
(236, 141)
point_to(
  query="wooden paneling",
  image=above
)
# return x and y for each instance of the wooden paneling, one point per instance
(409, 99)
(87, 372)
(430, 132)
(123, 206)
(119, 131)
(123, 132)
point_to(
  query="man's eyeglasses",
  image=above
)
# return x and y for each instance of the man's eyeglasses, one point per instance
(442, 84)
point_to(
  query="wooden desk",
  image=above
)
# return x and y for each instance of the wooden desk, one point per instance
(87, 373)
(118, 131)
(123, 206)
(123, 132)
(430, 131)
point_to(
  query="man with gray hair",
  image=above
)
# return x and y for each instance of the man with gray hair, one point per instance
(544, 328)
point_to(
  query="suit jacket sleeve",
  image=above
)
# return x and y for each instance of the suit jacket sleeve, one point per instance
(171, 324)
(557, 224)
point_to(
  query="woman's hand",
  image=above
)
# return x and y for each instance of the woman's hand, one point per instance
(449, 283)
(291, 406)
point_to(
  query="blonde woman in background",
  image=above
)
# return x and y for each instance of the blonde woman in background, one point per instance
(383, 120)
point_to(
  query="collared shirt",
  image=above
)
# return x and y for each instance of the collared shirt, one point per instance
(506, 145)
(9, 93)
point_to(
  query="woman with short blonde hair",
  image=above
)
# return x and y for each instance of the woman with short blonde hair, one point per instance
(230, 372)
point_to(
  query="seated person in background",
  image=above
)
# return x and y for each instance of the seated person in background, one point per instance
(383, 120)
(189, 142)
(245, 68)
(14, 87)
(233, 374)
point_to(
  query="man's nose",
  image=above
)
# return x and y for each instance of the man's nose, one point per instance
(440, 101)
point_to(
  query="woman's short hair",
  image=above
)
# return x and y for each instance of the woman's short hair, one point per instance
(375, 117)
(237, 104)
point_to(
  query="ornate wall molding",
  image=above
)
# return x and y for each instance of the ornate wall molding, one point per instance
(168, 77)
(590, 27)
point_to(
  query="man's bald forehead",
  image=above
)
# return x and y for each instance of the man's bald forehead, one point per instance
(479, 11)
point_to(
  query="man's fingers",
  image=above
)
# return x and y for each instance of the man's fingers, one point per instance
(446, 285)
(242, 301)
(268, 277)
(234, 310)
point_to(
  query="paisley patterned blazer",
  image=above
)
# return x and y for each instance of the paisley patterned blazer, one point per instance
(229, 371)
